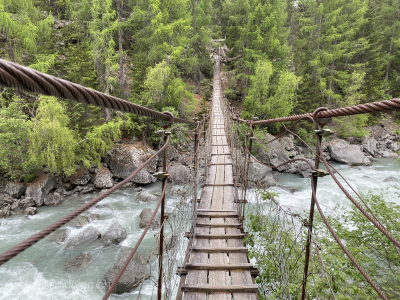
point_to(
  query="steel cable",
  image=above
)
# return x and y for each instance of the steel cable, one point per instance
(29, 80)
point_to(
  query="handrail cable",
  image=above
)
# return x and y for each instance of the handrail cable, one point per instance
(30, 80)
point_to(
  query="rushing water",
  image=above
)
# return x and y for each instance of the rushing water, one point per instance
(38, 273)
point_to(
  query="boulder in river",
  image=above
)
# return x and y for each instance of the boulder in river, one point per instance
(115, 234)
(179, 174)
(78, 221)
(78, 262)
(15, 189)
(30, 211)
(84, 237)
(343, 152)
(145, 217)
(145, 196)
(124, 159)
(257, 171)
(103, 178)
(274, 153)
(59, 236)
(81, 177)
(267, 182)
(40, 188)
(369, 145)
(53, 199)
(390, 179)
(133, 275)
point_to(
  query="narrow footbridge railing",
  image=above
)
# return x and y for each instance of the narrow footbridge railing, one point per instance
(22, 78)
(319, 118)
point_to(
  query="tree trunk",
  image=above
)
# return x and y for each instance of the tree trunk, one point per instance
(391, 46)
(121, 65)
(10, 48)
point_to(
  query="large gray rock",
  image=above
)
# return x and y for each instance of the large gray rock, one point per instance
(133, 275)
(53, 199)
(40, 188)
(369, 144)
(145, 217)
(15, 189)
(257, 171)
(145, 196)
(27, 202)
(343, 152)
(81, 177)
(172, 155)
(59, 236)
(304, 168)
(267, 182)
(84, 237)
(78, 262)
(114, 235)
(78, 221)
(30, 211)
(274, 154)
(179, 174)
(390, 179)
(124, 159)
(103, 178)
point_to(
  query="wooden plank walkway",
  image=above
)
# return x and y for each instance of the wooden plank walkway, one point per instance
(223, 272)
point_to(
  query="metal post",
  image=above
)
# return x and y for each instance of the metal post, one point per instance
(161, 248)
(195, 162)
(310, 224)
(247, 170)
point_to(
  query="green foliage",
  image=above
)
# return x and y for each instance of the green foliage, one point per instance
(50, 139)
(164, 89)
(14, 137)
(52, 143)
(277, 243)
(268, 98)
(375, 253)
(352, 126)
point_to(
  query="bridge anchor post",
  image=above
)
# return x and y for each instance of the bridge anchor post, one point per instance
(310, 221)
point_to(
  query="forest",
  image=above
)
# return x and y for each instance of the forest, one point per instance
(286, 57)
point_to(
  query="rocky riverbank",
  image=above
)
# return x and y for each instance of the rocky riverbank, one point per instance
(119, 163)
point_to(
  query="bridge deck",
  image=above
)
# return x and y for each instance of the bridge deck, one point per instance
(218, 266)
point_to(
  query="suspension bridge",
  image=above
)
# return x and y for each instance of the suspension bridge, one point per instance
(214, 263)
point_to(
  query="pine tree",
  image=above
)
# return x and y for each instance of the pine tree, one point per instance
(24, 26)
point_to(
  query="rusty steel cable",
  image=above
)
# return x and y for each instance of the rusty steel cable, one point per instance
(14, 251)
(29, 80)
(355, 263)
(128, 259)
(382, 106)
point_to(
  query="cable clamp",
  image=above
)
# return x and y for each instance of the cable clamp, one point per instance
(324, 132)
(161, 175)
(319, 173)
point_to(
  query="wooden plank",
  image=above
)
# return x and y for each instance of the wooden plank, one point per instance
(239, 277)
(222, 249)
(212, 266)
(253, 288)
(216, 236)
(217, 215)
(218, 277)
(224, 225)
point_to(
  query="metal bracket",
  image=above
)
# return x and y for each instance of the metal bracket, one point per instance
(161, 175)
(324, 132)
(319, 173)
